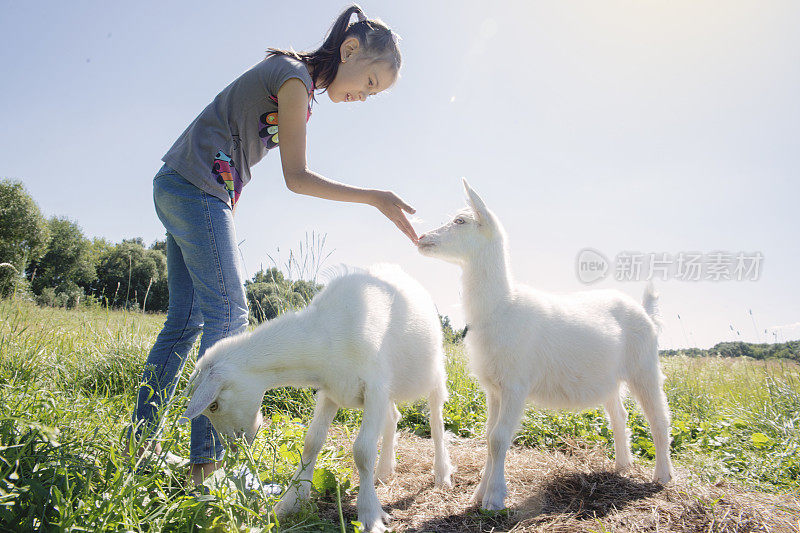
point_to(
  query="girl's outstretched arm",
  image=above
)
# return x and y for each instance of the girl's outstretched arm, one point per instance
(292, 108)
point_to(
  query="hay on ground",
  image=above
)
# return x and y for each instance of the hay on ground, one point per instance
(564, 492)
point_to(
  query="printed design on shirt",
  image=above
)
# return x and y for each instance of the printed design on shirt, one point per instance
(268, 122)
(226, 173)
(268, 129)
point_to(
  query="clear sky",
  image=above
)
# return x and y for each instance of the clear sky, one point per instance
(636, 126)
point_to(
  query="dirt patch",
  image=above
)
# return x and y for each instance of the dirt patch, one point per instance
(565, 492)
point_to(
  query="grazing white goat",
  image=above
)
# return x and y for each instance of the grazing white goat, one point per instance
(559, 351)
(369, 339)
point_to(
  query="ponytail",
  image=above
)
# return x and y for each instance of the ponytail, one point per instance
(377, 40)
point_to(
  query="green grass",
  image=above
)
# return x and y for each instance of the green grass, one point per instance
(68, 381)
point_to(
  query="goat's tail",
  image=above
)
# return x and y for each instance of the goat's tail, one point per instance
(650, 304)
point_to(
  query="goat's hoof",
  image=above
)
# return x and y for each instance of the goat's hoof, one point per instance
(492, 506)
(662, 478)
(446, 483)
(280, 511)
(375, 524)
(443, 480)
(494, 501)
(288, 505)
(382, 475)
(477, 496)
(623, 465)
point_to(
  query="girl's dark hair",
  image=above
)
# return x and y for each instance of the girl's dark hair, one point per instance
(377, 40)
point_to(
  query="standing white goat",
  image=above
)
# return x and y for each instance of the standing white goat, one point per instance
(369, 339)
(560, 351)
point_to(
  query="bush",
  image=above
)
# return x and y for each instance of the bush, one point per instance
(269, 294)
(69, 297)
(24, 233)
(128, 272)
(47, 297)
(67, 264)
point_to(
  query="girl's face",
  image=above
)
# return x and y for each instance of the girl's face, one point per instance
(358, 76)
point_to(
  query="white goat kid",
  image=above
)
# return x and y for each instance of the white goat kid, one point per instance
(369, 339)
(559, 351)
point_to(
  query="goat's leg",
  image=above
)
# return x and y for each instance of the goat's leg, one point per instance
(512, 404)
(365, 450)
(300, 487)
(650, 395)
(387, 462)
(618, 417)
(492, 410)
(442, 469)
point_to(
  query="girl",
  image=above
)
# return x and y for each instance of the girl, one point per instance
(197, 189)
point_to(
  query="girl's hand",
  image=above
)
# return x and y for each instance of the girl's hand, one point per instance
(292, 108)
(392, 206)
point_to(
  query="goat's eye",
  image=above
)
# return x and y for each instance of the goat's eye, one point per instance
(213, 407)
(459, 221)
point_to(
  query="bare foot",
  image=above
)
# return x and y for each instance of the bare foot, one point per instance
(145, 448)
(198, 472)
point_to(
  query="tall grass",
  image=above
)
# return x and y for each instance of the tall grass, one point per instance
(737, 418)
(82, 349)
(68, 381)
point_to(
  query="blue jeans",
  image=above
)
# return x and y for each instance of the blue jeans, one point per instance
(206, 293)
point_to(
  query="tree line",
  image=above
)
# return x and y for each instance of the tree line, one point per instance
(781, 350)
(51, 261)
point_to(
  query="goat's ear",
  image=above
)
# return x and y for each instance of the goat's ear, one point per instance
(476, 202)
(190, 386)
(206, 390)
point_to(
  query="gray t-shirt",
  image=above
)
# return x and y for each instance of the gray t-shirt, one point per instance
(235, 131)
